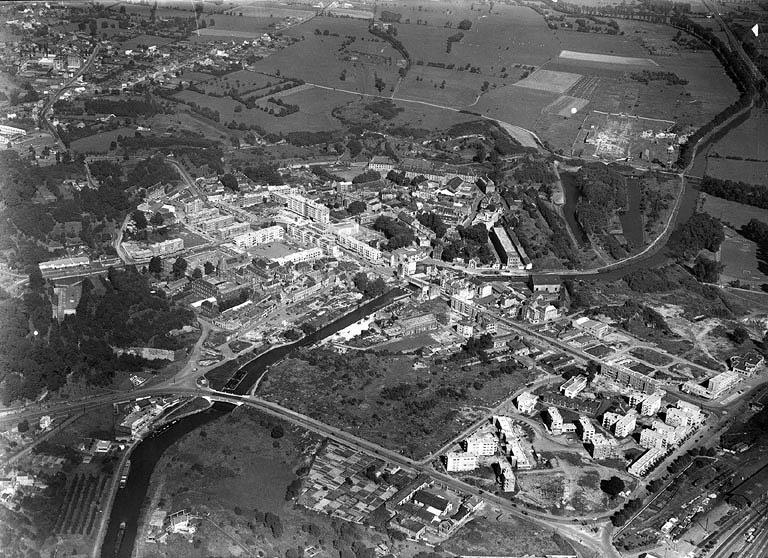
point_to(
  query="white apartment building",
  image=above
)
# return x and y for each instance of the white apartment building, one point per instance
(587, 429)
(646, 462)
(216, 223)
(506, 476)
(574, 386)
(359, 247)
(235, 229)
(481, 444)
(652, 404)
(204, 214)
(603, 448)
(309, 255)
(609, 419)
(460, 461)
(307, 208)
(626, 425)
(260, 236)
(526, 402)
(555, 421)
(685, 414)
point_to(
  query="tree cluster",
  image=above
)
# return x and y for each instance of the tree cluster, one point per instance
(603, 192)
(370, 289)
(701, 231)
(398, 234)
(749, 194)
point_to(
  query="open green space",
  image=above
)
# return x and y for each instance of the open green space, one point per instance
(382, 398)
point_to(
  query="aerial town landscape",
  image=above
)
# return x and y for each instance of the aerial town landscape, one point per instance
(384, 278)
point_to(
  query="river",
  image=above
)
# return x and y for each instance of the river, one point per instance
(127, 505)
(128, 502)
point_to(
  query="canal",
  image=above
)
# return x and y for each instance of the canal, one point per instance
(127, 505)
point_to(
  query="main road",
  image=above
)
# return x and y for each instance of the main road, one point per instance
(55, 97)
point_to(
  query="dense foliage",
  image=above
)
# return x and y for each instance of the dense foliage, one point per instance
(433, 222)
(398, 234)
(603, 192)
(701, 231)
(125, 314)
(750, 194)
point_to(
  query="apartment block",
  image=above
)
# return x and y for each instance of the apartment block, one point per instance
(604, 448)
(555, 421)
(625, 376)
(309, 255)
(626, 425)
(260, 236)
(685, 414)
(506, 476)
(587, 429)
(307, 208)
(359, 247)
(646, 462)
(233, 230)
(481, 444)
(652, 404)
(460, 461)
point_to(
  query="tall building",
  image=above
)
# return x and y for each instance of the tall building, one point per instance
(555, 421)
(651, 404)
(587, 429)
(604, 448)
(626, 425)
(506, 476)
(308, 208)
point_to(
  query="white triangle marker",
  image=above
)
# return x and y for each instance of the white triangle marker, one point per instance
(756, 29)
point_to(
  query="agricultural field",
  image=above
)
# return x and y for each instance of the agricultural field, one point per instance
(319, 58)
(742, 261)
(733, 214)
(752, 172)
(383, 398)
(100, 143)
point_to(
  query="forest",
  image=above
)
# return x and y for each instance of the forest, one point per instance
(37, 353)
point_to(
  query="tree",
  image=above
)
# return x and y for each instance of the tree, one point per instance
(209, 268)
(139, 219)
(464, 25)
(740, 335)
(229, 181)
(197, 273)
(360, 281)
(356, 207)
(36, 280)
(155, 265)
(179, 267)
(23, 426)
(612, 486)
(157, 220)
(706, 270)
